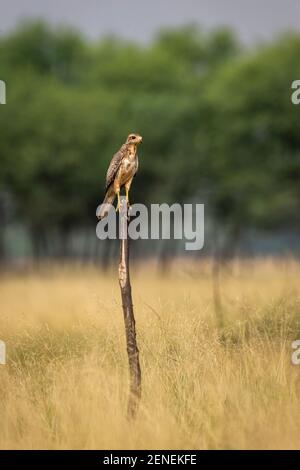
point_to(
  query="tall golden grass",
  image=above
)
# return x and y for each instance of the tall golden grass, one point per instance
(65, 383)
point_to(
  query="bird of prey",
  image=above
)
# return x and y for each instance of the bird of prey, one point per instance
(121, 171)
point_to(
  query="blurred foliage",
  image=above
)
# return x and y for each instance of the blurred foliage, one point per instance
(217, 122)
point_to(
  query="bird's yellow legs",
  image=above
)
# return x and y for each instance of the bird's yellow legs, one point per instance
(119, 201)
(127, 187)
(127, 195)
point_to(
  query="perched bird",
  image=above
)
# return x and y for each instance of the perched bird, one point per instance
(121, 171)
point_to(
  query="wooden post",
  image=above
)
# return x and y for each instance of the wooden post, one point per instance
(125, 286)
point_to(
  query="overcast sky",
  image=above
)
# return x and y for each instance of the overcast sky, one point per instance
(139, 19)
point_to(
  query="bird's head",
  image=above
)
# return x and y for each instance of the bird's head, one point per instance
(134, 139)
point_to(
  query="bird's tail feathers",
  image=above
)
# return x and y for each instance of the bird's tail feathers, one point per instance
(106, 205)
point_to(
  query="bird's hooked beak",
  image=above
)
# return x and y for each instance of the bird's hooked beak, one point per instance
(140, 139)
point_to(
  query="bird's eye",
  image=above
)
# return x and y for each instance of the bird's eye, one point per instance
(132, 137)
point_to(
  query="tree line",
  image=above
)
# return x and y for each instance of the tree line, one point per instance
(217, 119)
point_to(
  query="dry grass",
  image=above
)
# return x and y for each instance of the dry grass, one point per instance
(65, 383)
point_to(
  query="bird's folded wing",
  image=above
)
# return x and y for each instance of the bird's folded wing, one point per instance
(115, 165)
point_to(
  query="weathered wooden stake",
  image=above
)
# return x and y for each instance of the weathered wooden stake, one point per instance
(125, 286)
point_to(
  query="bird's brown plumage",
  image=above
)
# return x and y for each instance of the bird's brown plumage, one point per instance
(121, 171)
(115, 165)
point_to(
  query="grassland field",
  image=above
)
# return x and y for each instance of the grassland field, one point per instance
(65, 383)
